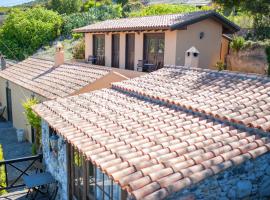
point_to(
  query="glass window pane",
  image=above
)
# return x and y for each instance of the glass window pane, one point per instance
(91, 179)
(116, 192)
(99, 184)
(107, 185)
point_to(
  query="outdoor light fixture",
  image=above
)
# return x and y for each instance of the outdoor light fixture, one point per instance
(201, 35)
(54, 143)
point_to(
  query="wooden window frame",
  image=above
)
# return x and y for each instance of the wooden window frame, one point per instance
(85, 167)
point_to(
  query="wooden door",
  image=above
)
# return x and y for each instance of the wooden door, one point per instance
(9, 104)
(115, 50)
(130, 48)
(154, 49)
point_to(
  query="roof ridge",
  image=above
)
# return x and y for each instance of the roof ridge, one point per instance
(159, 15)
(161, 102)
(227, 72)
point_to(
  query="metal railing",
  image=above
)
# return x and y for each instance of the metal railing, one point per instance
(11, 164)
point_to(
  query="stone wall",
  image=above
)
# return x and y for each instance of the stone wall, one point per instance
(249, 181)
(250, 61)
(55, 164)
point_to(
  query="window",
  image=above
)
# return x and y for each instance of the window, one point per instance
(100, 186)
(77, 174)
(99, 48)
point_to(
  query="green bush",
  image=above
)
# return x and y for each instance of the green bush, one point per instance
(79, 50)
(103, 12)
(220, 66)
(237, 43)
(33, 119)
(75, 20)
(132, 6)
(2, 172)
(267, 51)
(93, 3)
(65, 6)
(23, 32)
(162, 9)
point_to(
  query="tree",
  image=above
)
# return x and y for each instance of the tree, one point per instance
(65, 6)
(162, 9)
(259, 9)
(23, 32)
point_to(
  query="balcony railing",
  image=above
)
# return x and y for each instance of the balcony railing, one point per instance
(13, 165)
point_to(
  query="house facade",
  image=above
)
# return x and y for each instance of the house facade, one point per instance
(160, 136)
(47, 80)
(158, 40)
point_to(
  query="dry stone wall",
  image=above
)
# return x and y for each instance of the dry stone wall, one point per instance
(249, 181)
(249, 61)
(55, 164)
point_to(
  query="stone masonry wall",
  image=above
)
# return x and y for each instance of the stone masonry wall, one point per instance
(249, 181)
(249, 61)
(55, 164)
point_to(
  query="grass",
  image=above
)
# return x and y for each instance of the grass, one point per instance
(2, 173)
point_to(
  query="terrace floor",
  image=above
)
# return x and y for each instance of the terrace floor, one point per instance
(12, 150)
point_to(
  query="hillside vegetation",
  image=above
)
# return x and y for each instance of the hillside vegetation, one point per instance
(37, 24)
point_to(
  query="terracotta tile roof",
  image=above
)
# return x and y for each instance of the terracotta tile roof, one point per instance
(158, 22)
(238, 98)
(155, 146)
(41, 77)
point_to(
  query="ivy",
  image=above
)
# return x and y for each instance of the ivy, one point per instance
(33, 119)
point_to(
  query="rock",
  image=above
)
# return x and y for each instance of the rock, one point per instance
(264, 188)
(243, 189)
(267, 171)
(232, 194)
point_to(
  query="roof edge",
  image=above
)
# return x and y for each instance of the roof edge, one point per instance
(232, 73)
(232, 27)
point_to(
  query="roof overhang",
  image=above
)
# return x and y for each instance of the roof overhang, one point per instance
(136, 29)
(228, 26)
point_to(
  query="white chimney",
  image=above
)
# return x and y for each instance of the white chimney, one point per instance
(59, 55)
(3, 63)
(192, 57)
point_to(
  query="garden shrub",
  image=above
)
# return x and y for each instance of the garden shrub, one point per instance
(23, 32)
(33, 119)
(220, 66)
(162, 9)
(93, 3)
(79, 50)
(103, 12)
(75, 20)
(132, 6)
(237, 43)
(2, 172)
(267, 51)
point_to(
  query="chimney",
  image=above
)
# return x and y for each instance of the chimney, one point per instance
(3, 62)
(59, 55)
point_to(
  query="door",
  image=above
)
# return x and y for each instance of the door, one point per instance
(154, 49)
(130, 48)
(115, 50)
(9, 104)
(99, 49)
